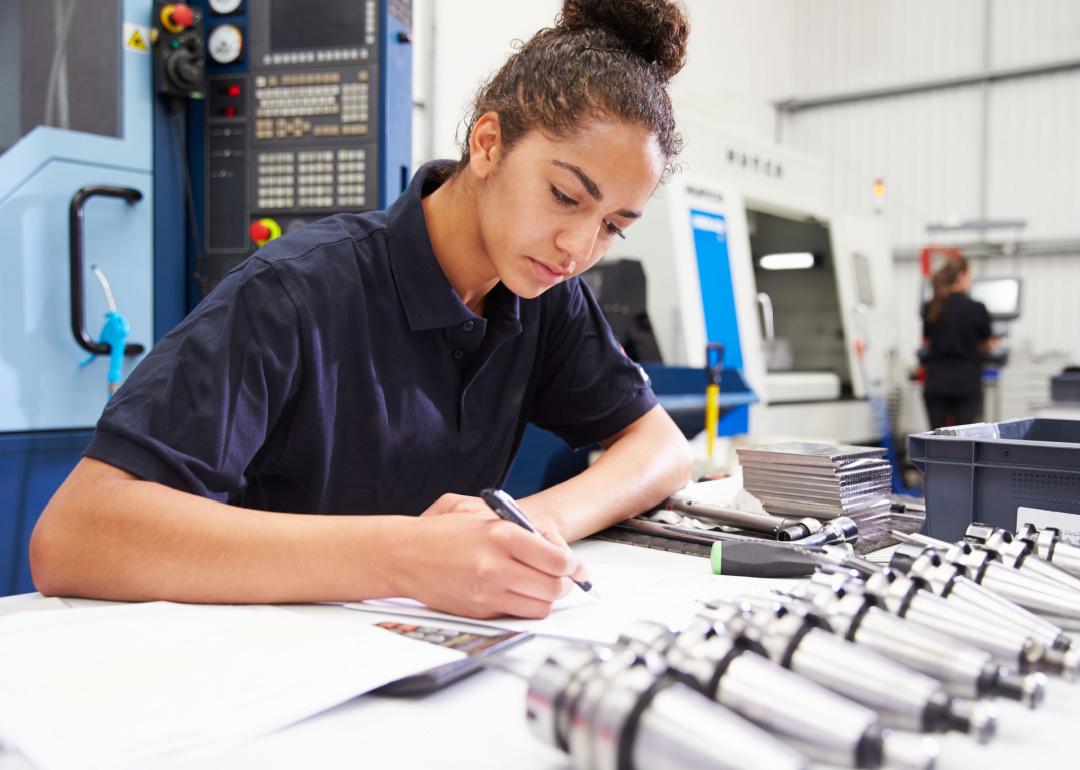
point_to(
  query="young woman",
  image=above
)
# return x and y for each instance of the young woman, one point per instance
(956, 334)
(318, 428)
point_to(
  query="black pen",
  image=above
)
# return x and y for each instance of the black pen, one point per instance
(506, 508)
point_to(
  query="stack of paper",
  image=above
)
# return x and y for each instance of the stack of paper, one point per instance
(113, 687)
(622, 595)
(819, 480)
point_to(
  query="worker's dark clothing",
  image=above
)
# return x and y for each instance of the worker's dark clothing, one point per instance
(337, 371)
(953, 386)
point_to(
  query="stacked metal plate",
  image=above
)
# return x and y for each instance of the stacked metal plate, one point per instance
(821, 480)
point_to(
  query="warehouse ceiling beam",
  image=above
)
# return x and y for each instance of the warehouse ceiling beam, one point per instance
(793, 105)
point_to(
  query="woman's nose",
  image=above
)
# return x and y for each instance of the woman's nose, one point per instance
(576, 244)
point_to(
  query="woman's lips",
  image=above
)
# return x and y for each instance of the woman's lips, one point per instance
(546, 273)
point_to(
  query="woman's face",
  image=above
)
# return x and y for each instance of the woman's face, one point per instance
(551, 208)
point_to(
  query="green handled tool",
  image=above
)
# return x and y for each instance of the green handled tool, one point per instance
(761, 559)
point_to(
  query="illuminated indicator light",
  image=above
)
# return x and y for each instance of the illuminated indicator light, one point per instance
(234, 90)
(879, 188)
(175, 43)
(230, 111)
(799, 260)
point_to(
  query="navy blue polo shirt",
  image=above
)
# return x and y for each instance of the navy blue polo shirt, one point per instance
(337, 371)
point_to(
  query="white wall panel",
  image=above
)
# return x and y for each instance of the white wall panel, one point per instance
(471, 41)
(738, 63)
(844, 45)
(1034, 171)
(1027, 32)
(928, 146)
(922, 146)
(1050, 321)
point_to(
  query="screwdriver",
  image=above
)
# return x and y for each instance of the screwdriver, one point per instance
(714, 367)
(761, 559)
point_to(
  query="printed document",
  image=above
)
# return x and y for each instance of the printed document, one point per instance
(111, 687)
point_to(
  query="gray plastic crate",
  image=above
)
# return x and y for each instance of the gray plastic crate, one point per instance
(974, 476)
(1065, 387)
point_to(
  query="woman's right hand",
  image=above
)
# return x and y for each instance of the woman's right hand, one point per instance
(477, 565)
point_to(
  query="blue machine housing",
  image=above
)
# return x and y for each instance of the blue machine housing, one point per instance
(48, 404)
(544, 459)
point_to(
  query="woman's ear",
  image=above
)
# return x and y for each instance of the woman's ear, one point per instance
(485, 145)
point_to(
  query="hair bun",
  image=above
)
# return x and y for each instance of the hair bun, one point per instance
(655, 30)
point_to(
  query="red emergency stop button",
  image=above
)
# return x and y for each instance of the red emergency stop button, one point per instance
(259, 232)
(176, 17)
(263, 230)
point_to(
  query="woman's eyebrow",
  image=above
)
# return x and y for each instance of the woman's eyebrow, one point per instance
(590, 186)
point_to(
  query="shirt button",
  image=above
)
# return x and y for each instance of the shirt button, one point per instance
(468, 326)
(458, 355)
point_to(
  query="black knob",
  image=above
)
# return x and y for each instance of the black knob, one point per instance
(184, 71)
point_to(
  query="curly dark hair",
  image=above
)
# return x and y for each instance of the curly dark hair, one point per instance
(603, 58)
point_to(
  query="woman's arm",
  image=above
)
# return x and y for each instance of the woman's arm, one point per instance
(109, 535)
(642, 465)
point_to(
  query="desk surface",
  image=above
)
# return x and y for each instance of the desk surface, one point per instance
(480, 722)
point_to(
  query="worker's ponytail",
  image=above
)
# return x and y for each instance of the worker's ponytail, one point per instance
(943, 281)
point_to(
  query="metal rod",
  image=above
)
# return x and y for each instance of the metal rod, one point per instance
(983, 78)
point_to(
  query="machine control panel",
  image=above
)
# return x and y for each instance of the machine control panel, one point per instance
(292, 120)
(179, 62)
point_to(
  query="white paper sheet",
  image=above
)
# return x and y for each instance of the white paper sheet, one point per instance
(112, 686)
(14, 606)
(629, 594)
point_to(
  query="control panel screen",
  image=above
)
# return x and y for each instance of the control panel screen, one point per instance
(315, 24)
(1000, 295)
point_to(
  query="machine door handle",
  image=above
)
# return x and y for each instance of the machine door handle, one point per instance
(767, 317)
(75, 228)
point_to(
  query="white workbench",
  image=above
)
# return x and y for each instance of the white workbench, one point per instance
(479, 723)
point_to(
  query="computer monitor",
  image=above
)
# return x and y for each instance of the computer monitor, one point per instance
(1000, 295)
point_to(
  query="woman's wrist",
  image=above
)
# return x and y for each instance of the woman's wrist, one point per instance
(380, 555)
(542, 513)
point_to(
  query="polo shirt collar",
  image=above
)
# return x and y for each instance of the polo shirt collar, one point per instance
(429, 300)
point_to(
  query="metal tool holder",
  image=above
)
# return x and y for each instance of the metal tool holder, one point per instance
(964, 670)
(826, 671)
(621, 712)
(734, 671)
(1050, 546)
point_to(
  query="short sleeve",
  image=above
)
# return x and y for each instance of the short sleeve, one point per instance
(589, 389)
(198, 409)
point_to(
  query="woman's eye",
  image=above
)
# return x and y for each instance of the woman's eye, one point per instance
(562, 197)
(613, 229)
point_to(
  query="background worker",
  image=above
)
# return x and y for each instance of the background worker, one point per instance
(956, 335)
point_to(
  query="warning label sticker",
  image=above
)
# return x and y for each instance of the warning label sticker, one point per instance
(136, 38)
